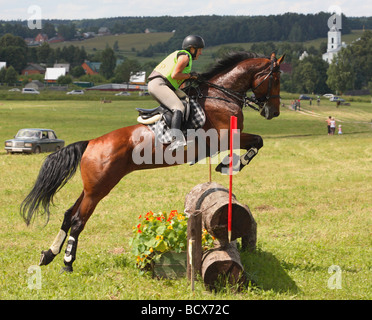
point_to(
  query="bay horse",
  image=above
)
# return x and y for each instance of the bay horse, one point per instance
(105, 160)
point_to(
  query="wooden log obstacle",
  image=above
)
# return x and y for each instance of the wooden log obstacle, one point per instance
(207, 206)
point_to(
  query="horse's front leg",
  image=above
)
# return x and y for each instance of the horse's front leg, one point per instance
(250, 142)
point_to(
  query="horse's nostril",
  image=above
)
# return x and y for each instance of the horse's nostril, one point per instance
(276, 114)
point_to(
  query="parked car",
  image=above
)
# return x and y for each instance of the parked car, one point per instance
(303, 97)
(76, 92)
(34, 141)
(335, 99)
(328, 95)
(122, 93)
(30, 90)
(15, 90)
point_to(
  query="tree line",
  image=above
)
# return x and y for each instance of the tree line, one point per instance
(350, 70)
(216, 29)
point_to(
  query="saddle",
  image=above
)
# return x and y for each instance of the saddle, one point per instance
(159, 119)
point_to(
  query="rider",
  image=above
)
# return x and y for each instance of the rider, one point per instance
(167, 77)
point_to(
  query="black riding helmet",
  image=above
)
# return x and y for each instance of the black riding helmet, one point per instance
(193, 41)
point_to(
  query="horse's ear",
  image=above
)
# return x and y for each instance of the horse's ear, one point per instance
(280, 60)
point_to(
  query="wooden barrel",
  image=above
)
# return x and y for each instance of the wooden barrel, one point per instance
(212, 199)
(223, 265)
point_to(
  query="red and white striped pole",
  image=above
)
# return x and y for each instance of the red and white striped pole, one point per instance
(233, 130)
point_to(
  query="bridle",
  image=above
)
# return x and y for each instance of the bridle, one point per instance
(243, 99)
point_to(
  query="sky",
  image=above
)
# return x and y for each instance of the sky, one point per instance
(92, 9)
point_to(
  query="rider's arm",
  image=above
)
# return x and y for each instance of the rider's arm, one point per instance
(182, 63)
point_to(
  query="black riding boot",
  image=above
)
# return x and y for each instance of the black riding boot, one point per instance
(178, 138)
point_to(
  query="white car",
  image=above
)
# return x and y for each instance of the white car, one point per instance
(30, 90)
(328, 95)
(76, 92)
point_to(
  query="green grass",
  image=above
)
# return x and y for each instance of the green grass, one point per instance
(308, 192)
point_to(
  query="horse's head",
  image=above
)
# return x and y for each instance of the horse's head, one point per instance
(266, 88)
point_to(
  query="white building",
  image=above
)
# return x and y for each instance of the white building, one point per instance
(52, 74)
(138, 77)
(334, 43)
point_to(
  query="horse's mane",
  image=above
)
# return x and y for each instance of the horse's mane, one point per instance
(229, 60)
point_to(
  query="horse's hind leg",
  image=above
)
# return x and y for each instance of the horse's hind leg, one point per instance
(78, 221)
(48, 256)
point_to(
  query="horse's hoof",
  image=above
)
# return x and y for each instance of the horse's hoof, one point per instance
(66, 269)
(46, 257)
(224, 166)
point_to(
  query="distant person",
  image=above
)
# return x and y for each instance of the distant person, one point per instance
(329, 124)
(318, 100)
(333, 126)
(339, 129)
(168, 76)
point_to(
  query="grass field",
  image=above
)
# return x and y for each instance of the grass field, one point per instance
(310, 195)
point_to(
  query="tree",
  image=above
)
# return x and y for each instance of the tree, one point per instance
(67, 31)
(108, 63)
(123, 71)
(49, 30)
(2, 75)
(64, 80)
(340, 74)
(44, 52)
(13, 50)
(351, 69)
(77, 71)
(11, 76)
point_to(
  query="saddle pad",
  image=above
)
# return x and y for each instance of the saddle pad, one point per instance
(196, 120)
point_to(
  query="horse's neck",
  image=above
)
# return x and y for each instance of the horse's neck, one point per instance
(240, 78)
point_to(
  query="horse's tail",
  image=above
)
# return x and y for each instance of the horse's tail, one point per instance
(57, 169)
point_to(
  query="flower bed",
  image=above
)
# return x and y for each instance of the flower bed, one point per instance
(158, 233)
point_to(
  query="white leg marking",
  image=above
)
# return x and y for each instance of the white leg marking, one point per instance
(58, 242)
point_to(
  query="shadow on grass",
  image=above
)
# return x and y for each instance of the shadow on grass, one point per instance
(267, 273)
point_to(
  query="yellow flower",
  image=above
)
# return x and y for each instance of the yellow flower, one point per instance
(170, 227)
(159, 237)
(151, 250)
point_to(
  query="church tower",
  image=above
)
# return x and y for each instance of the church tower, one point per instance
(334, 38)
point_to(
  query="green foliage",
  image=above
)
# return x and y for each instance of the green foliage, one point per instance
(124, 70)
(13, 50)
(309, 75)
(159, 233)
(351, 69)
(108, 63)
(64, 79)
(11, 75)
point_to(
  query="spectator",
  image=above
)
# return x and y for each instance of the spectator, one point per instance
(333, 126)
(329, 125)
